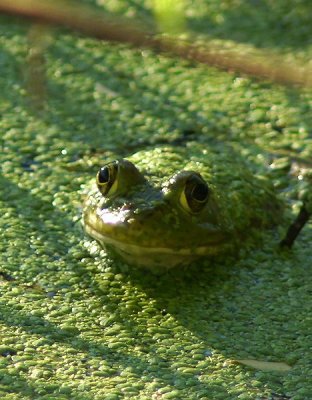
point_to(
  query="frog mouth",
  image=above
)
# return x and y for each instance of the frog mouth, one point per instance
(149, 256)
(137, 249)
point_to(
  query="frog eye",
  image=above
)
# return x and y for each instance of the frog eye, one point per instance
(118, 178)
(106, 178)
(195, 194)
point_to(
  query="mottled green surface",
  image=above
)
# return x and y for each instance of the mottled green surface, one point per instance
(76, 324)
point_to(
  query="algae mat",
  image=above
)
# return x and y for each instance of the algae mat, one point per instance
(76, 324)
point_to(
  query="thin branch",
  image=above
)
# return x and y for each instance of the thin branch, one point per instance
(94, 23)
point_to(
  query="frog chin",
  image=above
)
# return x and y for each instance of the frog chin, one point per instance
(151, 257)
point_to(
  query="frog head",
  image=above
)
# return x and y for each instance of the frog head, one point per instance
(153, 222)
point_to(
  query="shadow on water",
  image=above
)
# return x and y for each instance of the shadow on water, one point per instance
(236, 310)
(73, 112)
(262, 23)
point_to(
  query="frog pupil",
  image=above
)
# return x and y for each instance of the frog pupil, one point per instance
(103, 176)
(200, 192)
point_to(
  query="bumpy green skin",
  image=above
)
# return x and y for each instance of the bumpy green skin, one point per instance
(148, 226)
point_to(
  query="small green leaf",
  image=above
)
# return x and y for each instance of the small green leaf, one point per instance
(169, 15)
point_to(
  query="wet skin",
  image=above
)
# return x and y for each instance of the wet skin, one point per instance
(171, 205)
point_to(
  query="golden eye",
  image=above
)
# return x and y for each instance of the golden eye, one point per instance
(106, 178)
(195, 194)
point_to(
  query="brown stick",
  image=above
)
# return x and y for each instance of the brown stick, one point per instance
(93, 23)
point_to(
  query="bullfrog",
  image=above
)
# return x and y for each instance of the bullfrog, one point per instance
(169, 205)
